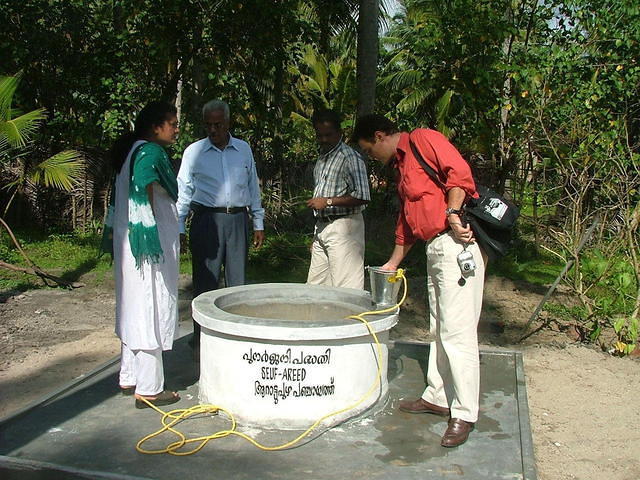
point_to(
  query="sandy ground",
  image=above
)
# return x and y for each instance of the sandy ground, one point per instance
(583, 403)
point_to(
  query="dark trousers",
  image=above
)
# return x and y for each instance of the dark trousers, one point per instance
(217, 239)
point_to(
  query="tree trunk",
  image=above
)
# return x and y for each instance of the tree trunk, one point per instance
(179, 93)
(367, 56)
(278, 97)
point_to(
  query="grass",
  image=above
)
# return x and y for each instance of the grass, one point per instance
(525, 263)
(65, 255)
(283, 258)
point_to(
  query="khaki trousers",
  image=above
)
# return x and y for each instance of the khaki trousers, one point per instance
(453, 375)
(337, 253)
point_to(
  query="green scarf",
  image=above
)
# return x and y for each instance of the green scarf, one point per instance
(149, 163)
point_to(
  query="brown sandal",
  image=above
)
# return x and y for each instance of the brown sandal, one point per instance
(166, 397)
(127, 391)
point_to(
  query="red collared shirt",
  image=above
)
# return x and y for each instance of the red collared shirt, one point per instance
(423, 201)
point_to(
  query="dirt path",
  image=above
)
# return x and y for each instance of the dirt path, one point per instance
(583, 403)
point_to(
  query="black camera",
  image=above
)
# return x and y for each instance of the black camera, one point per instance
(466, 262)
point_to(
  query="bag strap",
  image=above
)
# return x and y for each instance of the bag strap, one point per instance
(427, 168)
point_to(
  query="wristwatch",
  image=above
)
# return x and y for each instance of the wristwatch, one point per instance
(329, 201)
(450, 211)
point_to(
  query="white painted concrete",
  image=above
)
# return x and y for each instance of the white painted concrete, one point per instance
(287, 372)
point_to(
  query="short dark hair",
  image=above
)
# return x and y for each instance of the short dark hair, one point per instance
(368, 125)
(327, 116)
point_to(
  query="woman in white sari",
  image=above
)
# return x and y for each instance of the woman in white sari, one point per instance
(142, 231)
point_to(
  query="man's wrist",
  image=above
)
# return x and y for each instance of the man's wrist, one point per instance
(454, 219)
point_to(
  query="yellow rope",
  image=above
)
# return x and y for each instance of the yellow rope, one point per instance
(169, 419)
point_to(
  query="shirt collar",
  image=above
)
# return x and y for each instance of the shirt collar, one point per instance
(402, 147)
(324, 156)
(233, 143)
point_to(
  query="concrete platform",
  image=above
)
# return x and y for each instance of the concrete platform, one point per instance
(88, 430)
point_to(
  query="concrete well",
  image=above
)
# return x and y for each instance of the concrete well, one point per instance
(283, 355)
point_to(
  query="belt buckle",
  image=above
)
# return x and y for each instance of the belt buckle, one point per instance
(229, 210)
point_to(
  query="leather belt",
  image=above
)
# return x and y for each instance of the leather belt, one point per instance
(196, 207)
(330, 218)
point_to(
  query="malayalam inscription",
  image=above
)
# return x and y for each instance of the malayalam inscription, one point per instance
(290, 374)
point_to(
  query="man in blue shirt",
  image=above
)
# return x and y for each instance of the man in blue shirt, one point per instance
(218, 182)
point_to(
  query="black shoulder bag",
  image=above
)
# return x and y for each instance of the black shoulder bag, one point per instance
(491, 216)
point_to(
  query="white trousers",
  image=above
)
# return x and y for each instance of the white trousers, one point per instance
(142, 368)
(453, 375)
(337, 253)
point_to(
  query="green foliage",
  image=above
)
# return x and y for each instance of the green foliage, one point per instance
(541, 97)
(568, 314)
(445, 67)
(59, 171)
(627, 330)
(283, 258)
(65, 255)
(16, 129)
(8, 253)
(613, 282)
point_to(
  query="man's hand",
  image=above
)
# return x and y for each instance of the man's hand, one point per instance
(462, 233)
(258, 238)
(389, 267)
(318, 203)
(184, 245)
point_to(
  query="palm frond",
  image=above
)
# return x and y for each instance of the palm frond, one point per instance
(61, 171)
(4, 147)
(8, 87)
(13, 184)
(318, 66)
(344, 90)
(414, 100)
(18, 131)
(313, 86)
(402, 79)
(398, 59)
(307, 12)
(299, 119)
(344, 78)
(389, 41)
(442, 109)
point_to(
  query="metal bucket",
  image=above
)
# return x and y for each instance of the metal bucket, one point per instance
(384, 291)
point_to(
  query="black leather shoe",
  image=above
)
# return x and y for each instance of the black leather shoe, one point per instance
(422, 406)
(457, 433)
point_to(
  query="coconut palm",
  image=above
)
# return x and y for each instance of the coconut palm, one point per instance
(61, 171)
(322, 83)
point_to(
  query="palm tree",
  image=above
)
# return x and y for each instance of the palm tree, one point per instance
(61, 171)
(322, 83)
(367, 55)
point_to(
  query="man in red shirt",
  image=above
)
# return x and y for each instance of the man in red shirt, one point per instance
(432, 213)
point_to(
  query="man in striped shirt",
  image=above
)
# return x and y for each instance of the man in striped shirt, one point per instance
(340, 194)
